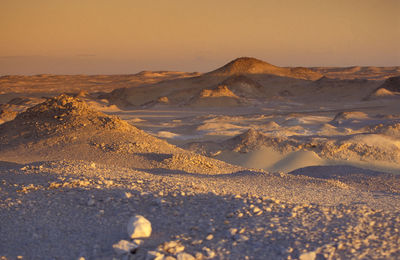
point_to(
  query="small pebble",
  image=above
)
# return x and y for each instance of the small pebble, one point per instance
(232, 231)
(127, 195)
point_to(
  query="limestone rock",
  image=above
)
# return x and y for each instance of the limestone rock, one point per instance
(139, 227)
(154, 255)
(124, 247)
(184, 256)
(308, 256)
(172, 247)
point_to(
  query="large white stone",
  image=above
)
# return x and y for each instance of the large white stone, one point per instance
(139, 227)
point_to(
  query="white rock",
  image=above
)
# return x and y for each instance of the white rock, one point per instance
(139, 227)
(308, 256)
(209, 252)
(240, 238)
(232, 231)
(127, 195)
(124, 247)
(184, 256)
(173, 247)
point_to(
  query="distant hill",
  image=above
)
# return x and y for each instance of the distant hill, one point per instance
(246, 65)
(253, 81)
(358, 72)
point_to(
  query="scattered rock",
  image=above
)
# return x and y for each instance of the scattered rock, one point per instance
(172, 247)
(154, 255)
(127, 195)
(240, 238)
(232, 231)
(197, 242)
(210, 253)
(308, 256)
(169, 257)
(184, 256)
(257, 211)
(125, 247)
(210, 237)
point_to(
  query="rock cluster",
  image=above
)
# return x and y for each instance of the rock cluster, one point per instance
(138, 229)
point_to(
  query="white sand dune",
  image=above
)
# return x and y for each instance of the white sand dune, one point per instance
(272, 160)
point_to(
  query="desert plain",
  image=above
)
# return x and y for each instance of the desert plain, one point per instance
(248, 161)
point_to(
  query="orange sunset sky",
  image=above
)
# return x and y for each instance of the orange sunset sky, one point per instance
(127, 36)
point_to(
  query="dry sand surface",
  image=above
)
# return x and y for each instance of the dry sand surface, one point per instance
(249, 161)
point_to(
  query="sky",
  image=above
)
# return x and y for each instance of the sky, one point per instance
(128, 36)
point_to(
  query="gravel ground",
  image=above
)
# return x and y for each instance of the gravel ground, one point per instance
(73, 209)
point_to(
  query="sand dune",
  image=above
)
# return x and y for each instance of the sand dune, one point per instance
(287, 152)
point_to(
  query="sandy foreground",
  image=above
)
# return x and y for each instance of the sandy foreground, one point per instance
(250, 161)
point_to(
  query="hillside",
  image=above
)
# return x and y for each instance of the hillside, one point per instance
(64, 127)
(246, 65)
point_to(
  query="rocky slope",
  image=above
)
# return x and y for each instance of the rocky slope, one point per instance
(64, 127)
